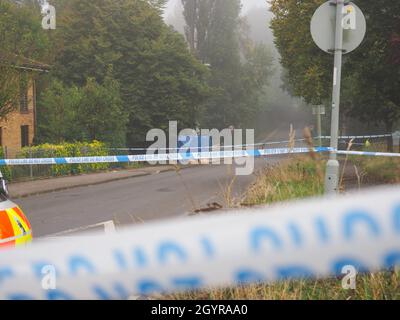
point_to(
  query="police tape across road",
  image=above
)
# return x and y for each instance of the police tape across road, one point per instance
(313, 238)
(360, 137)
(241, 146)
(182, 156)
(256, 144)
(262, 143)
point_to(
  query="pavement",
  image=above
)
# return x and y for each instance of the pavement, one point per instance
(130, 197)
(30, 188)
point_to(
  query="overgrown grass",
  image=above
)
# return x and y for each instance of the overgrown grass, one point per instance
(381, 170)
(376, 170)
(373, 286)
(298, 178)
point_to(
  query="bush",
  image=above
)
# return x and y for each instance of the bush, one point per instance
(78, 149)
(382, 170)
(5, 170)
(291, 179)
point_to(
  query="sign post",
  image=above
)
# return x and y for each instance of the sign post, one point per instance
(337, 28)
(319, 111)
(332, 167)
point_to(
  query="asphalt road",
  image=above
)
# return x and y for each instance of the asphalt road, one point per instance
(134, 200)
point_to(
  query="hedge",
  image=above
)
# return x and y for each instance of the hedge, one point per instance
(78, 149)
(4, 169)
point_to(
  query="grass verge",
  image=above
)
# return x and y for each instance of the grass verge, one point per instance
(302, 177)
(381, 170)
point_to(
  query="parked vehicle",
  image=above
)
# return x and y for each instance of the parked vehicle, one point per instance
(15, 229)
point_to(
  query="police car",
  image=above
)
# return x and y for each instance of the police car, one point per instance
(15, 229)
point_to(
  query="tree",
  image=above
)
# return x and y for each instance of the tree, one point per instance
(92, 112)
(308, 69)
(191, 12)
(160, 80)
(198, 16)
(21, 36)
(240, 68)
(9, 82)
(57, 113)
(100, 113)
(371, 76)
(374, 71)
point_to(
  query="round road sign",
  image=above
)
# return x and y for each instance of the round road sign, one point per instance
(323, 26)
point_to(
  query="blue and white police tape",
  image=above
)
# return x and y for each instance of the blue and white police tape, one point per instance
(182, 156)
(359, 137)
(313, 238)
(211, 146)
(255, 144)
(370, 154)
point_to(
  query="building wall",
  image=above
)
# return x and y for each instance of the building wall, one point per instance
(11, 126)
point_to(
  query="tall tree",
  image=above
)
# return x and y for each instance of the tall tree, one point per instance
(57, 113)
(374, 71)
(91, 112)
(308, 68)
(160, 80)
(191, 13)
(21, 36)
(370, 76)
(239, 72)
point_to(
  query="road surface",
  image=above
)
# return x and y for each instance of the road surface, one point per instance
(134, 200)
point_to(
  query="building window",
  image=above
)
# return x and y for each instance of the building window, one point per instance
(23, 98)
(24, 136)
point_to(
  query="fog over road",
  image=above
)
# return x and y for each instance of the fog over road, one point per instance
(134, 200)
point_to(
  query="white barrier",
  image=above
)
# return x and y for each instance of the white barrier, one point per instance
(308, 238)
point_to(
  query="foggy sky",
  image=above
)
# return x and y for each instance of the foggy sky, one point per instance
(247, 4)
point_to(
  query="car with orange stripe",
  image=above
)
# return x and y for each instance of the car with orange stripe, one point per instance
(15, 229)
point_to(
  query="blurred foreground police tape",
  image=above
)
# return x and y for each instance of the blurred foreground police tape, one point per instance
(312, 238)
(181, 156)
